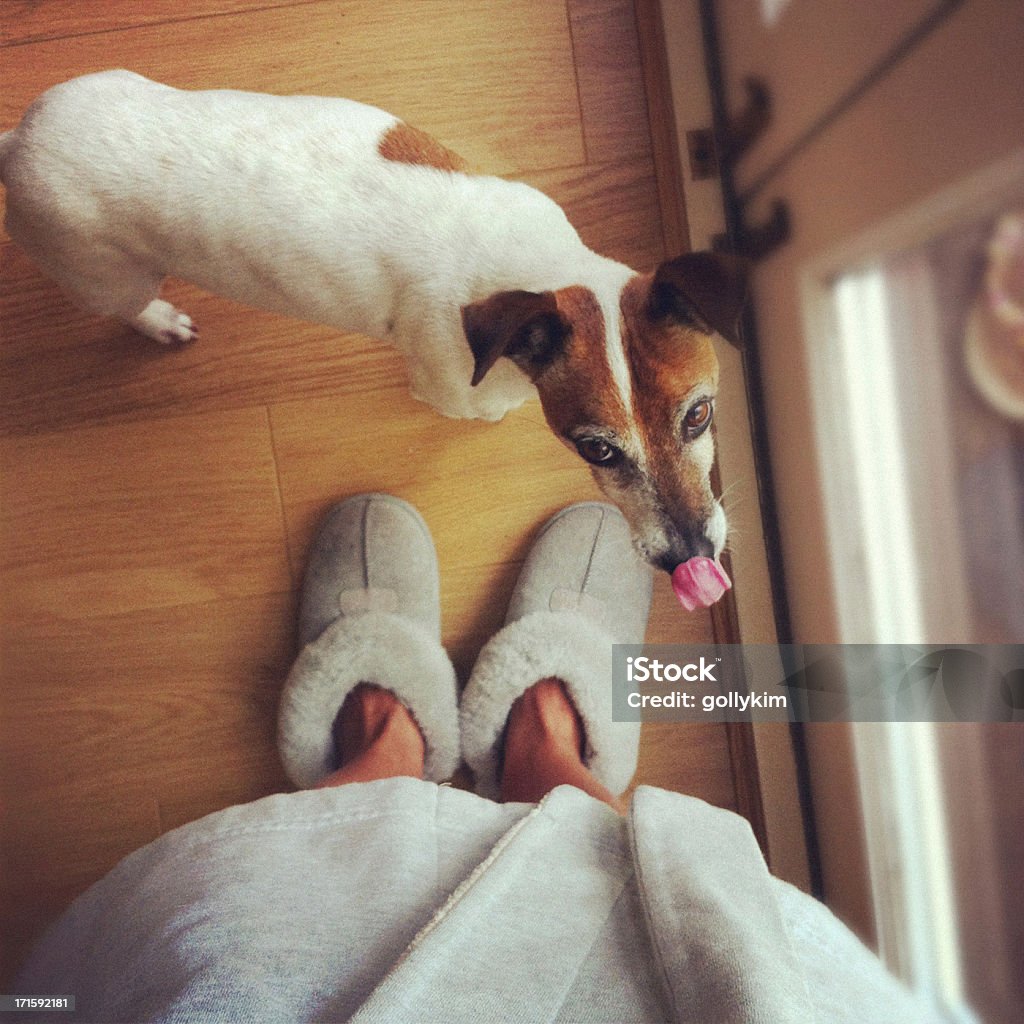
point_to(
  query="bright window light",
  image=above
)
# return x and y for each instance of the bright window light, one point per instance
(865, 342)
(908, 845)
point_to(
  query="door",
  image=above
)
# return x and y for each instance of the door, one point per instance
(886, 334)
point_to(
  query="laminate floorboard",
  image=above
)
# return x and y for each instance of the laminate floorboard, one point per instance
(156, 505)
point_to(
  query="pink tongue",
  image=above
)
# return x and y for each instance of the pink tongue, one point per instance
(699, 582)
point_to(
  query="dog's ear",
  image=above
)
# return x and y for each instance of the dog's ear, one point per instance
(525, 326)
(706, 290)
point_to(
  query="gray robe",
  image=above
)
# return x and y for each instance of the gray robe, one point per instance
(400, 900)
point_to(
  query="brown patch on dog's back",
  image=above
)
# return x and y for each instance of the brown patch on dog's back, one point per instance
(579, 387)
(403, 144)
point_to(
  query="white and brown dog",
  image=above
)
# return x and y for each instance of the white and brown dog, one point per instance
(336, 212)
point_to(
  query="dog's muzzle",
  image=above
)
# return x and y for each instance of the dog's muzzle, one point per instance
(692, 540)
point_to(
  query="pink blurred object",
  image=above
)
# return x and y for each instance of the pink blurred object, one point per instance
(699, 582)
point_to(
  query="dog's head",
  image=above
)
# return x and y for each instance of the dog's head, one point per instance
(629, 382)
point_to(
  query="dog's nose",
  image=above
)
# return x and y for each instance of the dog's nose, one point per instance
(701, 546)
(667, 562)
(688, 544)
(695, 543)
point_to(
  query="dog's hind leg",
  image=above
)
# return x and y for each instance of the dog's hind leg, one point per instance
(109, 281)
(165, 323)
(120, 286)
(132, 294)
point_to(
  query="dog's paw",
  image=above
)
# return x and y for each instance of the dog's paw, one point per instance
(165, 324)
(181, 332)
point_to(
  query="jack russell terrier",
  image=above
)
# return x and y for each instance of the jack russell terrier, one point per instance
(339, 213)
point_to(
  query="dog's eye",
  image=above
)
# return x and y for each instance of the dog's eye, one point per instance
(598, 451)
(698, 419)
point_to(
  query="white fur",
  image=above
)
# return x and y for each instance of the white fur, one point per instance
(285, 203)
(563, 645)
(615, 353)
(376, 647)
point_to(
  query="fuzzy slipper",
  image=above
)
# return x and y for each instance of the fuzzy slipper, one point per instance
(370, 612)
(581, 589)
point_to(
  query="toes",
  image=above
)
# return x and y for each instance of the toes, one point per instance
(181, 332)
(167, 325)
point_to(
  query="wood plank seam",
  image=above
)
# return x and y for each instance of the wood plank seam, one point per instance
(6, 44)
(576, 79)
(290, 555)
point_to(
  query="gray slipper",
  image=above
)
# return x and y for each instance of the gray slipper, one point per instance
(581, 589)
(370, 612)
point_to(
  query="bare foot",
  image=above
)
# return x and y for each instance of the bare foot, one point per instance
(544, 744)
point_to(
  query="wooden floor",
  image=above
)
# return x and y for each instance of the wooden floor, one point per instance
(157, 505)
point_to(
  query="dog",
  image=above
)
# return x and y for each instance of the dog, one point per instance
(339, 213)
